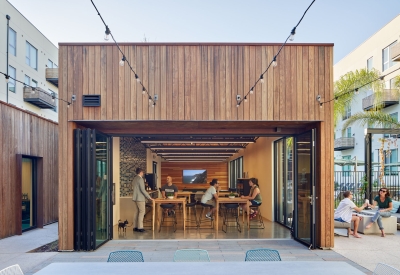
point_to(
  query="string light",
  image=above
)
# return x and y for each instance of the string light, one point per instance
(356, 91)
(124, 58)
(7, 78)
(245, 99)
(150, 99)
(273, 62)
(53, 97)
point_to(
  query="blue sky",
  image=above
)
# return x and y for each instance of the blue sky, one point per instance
(346, 23)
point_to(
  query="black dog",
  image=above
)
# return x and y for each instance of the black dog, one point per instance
(122, 225)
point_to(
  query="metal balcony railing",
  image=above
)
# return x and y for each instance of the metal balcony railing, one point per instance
(344, 143)
(39, 98)
(395, 52)
(389, 98)
(52, 75)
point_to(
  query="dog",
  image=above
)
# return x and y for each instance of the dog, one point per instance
(122, 225)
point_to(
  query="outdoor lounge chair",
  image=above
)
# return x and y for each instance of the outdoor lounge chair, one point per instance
(12, 270)
(191, 255)
(262, 254)
(384, 269)
(125, 256)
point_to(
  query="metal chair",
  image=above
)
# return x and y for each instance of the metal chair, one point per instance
(168, 215)
(12, 270)
(203, 220)
(257, 222)
(190, 221)
(231, 215)
(262, 254)
(384, 269)
(125, 256)
(191, 255)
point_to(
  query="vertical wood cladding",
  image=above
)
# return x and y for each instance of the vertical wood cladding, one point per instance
(198, 82)
(215, 170)
(25, 134)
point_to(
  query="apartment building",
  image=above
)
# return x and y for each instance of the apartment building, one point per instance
(382, 52)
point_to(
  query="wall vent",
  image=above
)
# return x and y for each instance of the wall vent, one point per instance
(91, 101)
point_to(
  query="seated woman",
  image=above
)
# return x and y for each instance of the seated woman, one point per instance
(384, 204)
(254, 197)
(210, 196)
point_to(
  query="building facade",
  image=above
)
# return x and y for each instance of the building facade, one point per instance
(29, 127)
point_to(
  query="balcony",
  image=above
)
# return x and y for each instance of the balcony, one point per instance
(39, 98)
(344, 143)
(395, 52)
(52, 76)
(389, 98)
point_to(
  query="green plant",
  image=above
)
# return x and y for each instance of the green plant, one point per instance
(364, 185)
(232, 194)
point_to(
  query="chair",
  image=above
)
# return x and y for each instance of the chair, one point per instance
(191, 255)
(191, 205)
(165, 217)
(384, 269)
(231, 215)
(125, 256)
(257, 222)
(12, 270)
(202, 218)
(262, 254)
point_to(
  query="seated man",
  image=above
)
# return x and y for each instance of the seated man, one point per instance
(344, 212)
(169, 189)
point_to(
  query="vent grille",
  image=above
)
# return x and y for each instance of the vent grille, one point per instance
(91, 101)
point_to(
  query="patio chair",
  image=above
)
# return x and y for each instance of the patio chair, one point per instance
(12, 270)
(191, 255)
(262, 254)
(384, 269)
(125, 256)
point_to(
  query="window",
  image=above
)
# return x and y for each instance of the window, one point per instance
(11, 82)
(348, 131)
(346, 168)
(54, 95)
(34, 83)
(386, 60)
(50, 64)
(347, 112)
(27, 80)
(395, 117)
(31, 55)
(370, 63)
(12, 42)
(390, 161)
(236, 171)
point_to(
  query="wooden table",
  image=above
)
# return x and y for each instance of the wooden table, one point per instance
(222, 200)
(209, 268)
(175, 201)
(185, 194)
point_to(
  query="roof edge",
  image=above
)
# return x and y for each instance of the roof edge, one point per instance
(189, 44)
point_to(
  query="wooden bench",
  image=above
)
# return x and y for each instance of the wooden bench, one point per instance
(342, 225)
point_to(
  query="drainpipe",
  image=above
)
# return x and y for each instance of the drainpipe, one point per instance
(8, 32)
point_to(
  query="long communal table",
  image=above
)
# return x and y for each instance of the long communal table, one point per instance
(238, 200)
(176, 201)
(196, 268)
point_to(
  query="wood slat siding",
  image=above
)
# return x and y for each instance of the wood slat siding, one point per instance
(198, 82)
(23, 133)
(215, 170)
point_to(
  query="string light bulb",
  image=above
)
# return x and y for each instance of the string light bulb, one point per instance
(143, 90)
(149, 98)
(292, 33)
(122, 61)
(68, 104)
(320, 105)
(7, 78)
(274, 63)
(245, 99)
(154, 104)
(251, 90)
(137, 78)
(261, 78)
(107, 34)
(356, 91)
(33, 90)
(237, 105)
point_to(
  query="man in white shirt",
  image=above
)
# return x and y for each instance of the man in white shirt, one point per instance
(344, 212)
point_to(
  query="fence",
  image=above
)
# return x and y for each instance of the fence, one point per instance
(354, 182)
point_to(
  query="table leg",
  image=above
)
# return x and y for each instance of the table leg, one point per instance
(248, 215)
(216, 215)
(184, 215)
(154, 212)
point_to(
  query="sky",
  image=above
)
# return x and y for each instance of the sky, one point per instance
(346, 23)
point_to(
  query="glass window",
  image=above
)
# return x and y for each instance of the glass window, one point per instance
(346, 168)
(395, 117)
(386, 60)
(370, 63)
(54, 100)
(34, 83)
(12, 42)
(348, 132)
(31, 55)
(390, 162)
(236, 171)
(50, 64)
(11, 82)
(347, 112)
(27, 80)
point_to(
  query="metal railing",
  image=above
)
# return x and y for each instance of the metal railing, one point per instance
(354, 182)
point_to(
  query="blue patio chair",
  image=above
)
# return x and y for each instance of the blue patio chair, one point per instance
(125, 256)
(262, 254)
(12, 270)
(191, 255)
(384, 269)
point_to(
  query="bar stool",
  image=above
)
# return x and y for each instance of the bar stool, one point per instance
(202, 218)
(168, 216)
(257, 222)
(231, 216)
(147, 221)
(191, 206)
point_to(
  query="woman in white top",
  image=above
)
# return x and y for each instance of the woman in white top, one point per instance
(210, 196)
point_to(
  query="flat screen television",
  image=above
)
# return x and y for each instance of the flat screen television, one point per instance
(194, 176)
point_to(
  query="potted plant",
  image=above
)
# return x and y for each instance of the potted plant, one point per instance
(231, 195)
(170, 195)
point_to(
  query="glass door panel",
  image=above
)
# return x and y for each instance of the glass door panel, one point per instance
(28, 194)
(279, 194)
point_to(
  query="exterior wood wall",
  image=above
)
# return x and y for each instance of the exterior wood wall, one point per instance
(217, 170)
(198, 82)
(23, 133)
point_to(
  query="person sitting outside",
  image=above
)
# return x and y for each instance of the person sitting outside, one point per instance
(344, 212)
(210, 197)
(167, 190)
(385, 205)
(254, 197)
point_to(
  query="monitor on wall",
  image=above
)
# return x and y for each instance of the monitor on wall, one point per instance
(194, 176)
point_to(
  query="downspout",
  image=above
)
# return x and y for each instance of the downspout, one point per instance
(8, 33)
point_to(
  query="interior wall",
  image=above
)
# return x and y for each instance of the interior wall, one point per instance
(217, 170)
(116, 178)
(258, 162)
(149, 163)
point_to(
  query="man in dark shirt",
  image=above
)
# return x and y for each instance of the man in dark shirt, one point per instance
(169, 189)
